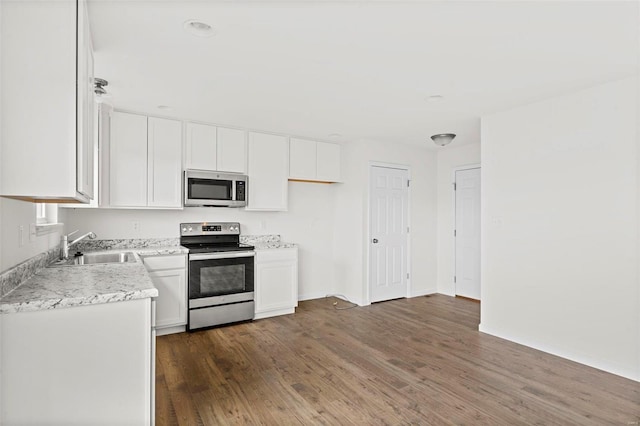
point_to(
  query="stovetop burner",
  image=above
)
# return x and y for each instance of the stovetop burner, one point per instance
(212, 237)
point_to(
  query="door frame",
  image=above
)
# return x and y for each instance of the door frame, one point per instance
(367, 290)
(453, 203)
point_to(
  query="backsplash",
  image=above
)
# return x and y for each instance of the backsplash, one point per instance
(130, 243)
(12, 277)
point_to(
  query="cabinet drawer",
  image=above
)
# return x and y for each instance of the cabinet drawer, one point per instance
(154, 263)
(275, 255)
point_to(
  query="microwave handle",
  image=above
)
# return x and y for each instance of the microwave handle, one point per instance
(223, 255)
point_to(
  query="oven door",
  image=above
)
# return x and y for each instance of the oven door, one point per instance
(220, 278)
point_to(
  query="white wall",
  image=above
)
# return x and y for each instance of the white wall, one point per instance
(560, 227)
(14, 250)
(351, 217)
(309, 223)
(449, 159)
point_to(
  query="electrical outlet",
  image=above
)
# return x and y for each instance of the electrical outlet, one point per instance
(263, 225)
(20, 236)
(135, 225)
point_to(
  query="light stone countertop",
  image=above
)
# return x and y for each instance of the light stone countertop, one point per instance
(56, 287)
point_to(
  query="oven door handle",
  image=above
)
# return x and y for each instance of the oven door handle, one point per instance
(223, 255)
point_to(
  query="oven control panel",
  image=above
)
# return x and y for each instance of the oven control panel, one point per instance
(209, 228)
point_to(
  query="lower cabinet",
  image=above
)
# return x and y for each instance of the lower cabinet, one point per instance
(83, 365)
(169, 275)
(276, 291)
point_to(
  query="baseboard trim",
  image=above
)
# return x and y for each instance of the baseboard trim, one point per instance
(622, 372)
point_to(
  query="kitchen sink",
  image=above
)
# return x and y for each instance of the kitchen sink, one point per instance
(94, 258)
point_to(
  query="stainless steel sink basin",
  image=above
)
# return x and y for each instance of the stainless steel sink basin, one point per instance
(94, 258)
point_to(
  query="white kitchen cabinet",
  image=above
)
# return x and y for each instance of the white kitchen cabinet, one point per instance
(145, 162)
(276, 290)
(328, 162)
(84, 365)
(314, 161)
(128, 160)
(215, 148)
(47, 99)
(169, 275)
(232, 150)
(164, 163)
(268, 160)
(201, 147)
(302, 159)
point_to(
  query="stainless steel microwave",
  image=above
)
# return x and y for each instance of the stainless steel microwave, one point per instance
(214, 189)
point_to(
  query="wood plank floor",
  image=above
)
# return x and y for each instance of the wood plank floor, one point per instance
(408, 361)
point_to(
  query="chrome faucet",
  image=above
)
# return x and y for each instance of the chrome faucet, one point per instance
(65, 244)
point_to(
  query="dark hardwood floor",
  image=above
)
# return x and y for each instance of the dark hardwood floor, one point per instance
(408, 361)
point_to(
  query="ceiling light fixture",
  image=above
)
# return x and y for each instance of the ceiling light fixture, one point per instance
(335, 135)
(165, 107)
(198, 28)
(98, 86)
(443, 139)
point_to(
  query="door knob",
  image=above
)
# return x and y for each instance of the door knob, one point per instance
(375, 241)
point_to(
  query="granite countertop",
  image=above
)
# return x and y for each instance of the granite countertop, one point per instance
(57, 287)
(61, 286)
(266, 242)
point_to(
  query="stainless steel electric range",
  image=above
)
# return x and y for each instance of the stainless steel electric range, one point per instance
(221, 274)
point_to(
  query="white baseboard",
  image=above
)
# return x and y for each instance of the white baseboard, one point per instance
(311, 296)
(623, 372)
(422, 292)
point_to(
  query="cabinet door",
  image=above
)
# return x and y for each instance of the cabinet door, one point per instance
(164, 162)
(201, 147)
(268, 157)
(302, 159)
(328, 162)
(232, 150)
(171, 304)
(128, 160)
(276, 285)
(85, 106)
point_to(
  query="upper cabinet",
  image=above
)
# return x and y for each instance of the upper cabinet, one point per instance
(144, 162)
(47, 101)
(268, 157)
(314, 161)
(215, 148)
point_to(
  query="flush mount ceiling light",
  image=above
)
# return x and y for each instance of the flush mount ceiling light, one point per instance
(98, 86)
(165, 107)
(99, 90)
(443, 139)
(198, 28)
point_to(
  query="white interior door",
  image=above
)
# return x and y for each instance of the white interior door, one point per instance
(467, 233)
(388, 204)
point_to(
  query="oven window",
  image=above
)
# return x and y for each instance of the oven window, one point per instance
(209, 189)
(216, 280)
(219, 277)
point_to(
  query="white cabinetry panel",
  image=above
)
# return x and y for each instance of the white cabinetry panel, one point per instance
(164, 165)
(268, 157)
(47, 97)
(75, 365)
(145, 162)
(315, 161)
(328, 162)
(232, 150)
(201, 147)
(128, 160)
(276, 282)
(169, 276)
(302, 159)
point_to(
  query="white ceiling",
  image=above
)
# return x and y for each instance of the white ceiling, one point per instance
(359, 68)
